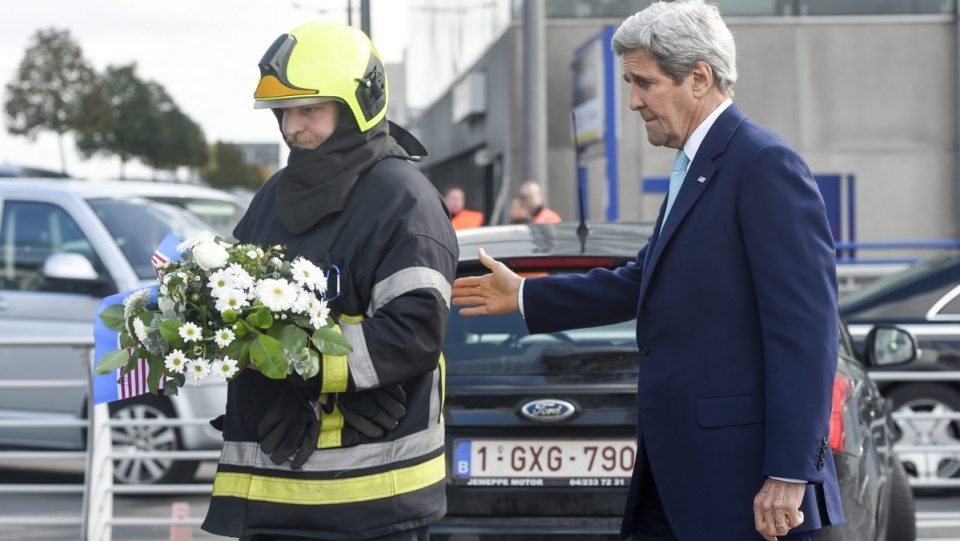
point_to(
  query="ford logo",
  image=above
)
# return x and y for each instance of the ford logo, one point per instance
(548, 410)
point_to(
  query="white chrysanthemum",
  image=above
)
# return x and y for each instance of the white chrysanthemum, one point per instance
(219, 281)
(240, 277)
(277, 295)
(175, 361)
(318, 316)
(196, 371)
(224, 368)
(303, 302)
(308, 275)
(190, 332)
(203, 236)
(135, 302)
(140, 330)
(232, 299)
(252, 254)
(223, 337)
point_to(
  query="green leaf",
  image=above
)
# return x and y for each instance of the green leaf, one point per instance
(156, 373)
(267, 354)
(111, 361)
(330, 342)
(239, 350)
(293, 338)
(127, 341)
(170, 331)
(261, 318)
(314, 365)
(112, 317)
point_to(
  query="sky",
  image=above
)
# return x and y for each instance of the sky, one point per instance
(204, 53)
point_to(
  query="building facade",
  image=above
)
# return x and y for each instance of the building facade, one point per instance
(867, 92)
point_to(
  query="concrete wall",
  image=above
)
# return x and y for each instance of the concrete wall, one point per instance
(871, 96)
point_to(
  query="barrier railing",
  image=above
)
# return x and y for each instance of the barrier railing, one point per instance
(853, 271)
(44, 456)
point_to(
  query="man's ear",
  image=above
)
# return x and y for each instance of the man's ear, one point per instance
(702, 77)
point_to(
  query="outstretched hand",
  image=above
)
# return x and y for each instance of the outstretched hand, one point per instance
(491, 294)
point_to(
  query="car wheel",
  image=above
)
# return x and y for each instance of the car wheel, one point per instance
(927, 398)
(131, 440)
(902, 515)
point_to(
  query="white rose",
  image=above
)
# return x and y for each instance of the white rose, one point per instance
(210, 255)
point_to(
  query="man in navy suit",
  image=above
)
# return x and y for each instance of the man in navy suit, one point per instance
(735, 300)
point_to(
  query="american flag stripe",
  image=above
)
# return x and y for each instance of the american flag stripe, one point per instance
(159, 261)
(134, 382)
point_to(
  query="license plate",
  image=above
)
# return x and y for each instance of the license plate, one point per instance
(543, 462)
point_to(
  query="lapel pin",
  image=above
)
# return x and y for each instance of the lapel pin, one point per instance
(701, 180)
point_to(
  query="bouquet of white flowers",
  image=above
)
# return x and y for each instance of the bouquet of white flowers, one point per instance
(221, 306)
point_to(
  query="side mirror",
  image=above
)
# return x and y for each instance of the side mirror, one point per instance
(66, 272)
(69, 266)
(887, 346)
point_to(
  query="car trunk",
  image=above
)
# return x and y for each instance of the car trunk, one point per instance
(539, 426)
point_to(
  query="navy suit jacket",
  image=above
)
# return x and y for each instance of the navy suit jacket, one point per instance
(736, 308)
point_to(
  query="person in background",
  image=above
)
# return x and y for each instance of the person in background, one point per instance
(460, 216)
(519, 212)
(357, 451)
(735, 301)
(533, 198)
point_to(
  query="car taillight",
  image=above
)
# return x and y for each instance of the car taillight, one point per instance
(842, 391)
(559, 263)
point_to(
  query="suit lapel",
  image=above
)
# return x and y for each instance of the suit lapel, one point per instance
(701, 171)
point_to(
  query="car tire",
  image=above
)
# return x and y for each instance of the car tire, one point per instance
(920, 398)
(135, 439)
(902, 514)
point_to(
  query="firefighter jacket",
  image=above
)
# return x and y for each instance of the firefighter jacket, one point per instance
(396, 252)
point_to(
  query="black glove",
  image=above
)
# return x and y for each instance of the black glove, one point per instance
(291, 425)
(374, 411)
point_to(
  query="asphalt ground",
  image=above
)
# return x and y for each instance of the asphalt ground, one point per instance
(55, 507)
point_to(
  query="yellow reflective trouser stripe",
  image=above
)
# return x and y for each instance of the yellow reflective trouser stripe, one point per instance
(329, 491)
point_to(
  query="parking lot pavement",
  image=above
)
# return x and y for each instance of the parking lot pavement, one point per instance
(62, 507)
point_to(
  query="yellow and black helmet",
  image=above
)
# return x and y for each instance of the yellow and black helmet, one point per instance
(322, 61)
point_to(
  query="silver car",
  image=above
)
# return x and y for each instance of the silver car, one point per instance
(64, 245)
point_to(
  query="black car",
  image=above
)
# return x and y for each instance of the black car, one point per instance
(541, 429)
(925, 300)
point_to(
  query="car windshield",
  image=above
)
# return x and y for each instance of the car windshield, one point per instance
(501, 344)
(221, 215)
(915, 288)
(138, 225)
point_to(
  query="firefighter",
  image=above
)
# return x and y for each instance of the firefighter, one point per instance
(355, 452)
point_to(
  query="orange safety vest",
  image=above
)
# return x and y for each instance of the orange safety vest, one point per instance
(545, 216)
(465, 219)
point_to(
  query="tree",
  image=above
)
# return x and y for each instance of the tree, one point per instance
(179, 143)
(49, 87)
(228, 170)
(140, 120)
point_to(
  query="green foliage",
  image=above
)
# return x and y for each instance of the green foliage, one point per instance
(46, 94)
(227, 169)
(133, 118)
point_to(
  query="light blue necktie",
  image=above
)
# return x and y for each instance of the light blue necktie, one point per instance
(680, 164)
